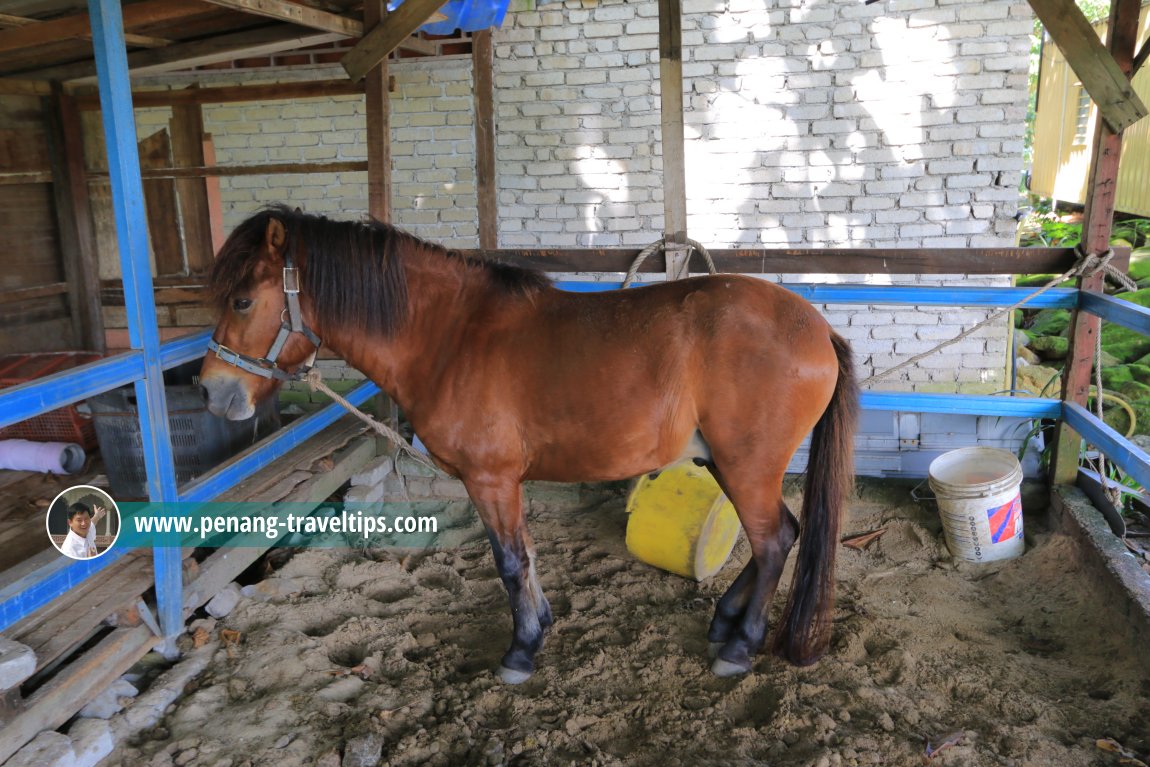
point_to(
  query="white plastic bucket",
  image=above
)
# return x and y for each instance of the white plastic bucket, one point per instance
(977, 489)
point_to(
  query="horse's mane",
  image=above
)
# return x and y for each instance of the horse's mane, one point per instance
(352, 271)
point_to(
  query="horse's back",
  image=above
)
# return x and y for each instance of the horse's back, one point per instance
(634, 375)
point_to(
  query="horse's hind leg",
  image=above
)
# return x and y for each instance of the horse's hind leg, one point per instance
(740, 622)
(500, 506)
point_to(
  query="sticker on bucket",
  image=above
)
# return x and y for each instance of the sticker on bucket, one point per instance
(977, 489)
(1003, 520)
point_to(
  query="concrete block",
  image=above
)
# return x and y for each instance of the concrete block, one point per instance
(17, 663)
(91, 741)
(110, 701)
(374, 472)
(48, 749)
(223, 603)
(364, 493)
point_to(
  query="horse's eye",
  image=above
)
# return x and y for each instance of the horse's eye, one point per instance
(242, 304)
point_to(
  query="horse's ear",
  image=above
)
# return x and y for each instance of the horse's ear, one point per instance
(275, 238)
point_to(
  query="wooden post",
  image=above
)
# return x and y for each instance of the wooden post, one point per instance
(1096, 227)
(671, 109)
(378, 124)
(482, 64)
(75, 221)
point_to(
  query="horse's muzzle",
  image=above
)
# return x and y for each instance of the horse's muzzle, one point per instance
(227, 398)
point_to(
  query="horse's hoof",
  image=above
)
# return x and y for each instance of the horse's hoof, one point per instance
(511, 676)
(725, 668)
(713, 649)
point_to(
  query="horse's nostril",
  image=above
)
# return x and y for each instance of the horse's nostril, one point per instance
(204, 393)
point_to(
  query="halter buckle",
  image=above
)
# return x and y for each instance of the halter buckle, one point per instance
(228, 356)
(291, 279)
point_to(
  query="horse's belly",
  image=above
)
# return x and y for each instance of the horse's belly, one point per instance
(605, 460)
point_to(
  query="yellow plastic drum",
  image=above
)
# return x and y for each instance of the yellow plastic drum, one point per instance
(681, 522)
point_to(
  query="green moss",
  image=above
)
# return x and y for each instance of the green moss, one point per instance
(1050, 347)
(1124, 344)
(1114, 377)
(1134, 392)
(1050, 322)
(1140, 372)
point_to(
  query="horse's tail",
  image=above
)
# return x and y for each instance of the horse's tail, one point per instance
(804, 631)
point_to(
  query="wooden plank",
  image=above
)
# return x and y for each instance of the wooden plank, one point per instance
(671, 122)
(160, 198)
(1105, 79)
(187, 127)
(295, 13)
(810, 261)
(482, 67)
(38, 291)
(378, 103)
(386, 36)
(231, 94)
(66, 622)
(59, 700)
(1097, 223)
(26, 177)
(344, 166)
(74, 220)
(222, 567)
(10, 86)
(78, 26)
(8, 21)
(259, 42)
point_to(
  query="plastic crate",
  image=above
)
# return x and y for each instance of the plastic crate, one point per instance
(200, 440)
(64, 424)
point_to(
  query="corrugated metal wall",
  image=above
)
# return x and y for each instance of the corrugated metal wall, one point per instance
(1062, 152)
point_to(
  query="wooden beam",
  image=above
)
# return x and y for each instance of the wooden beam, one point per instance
(482, 66)
(1097, 223)
(65, 694)
(295, 13)
(187, 129)
(26, 177)
(811, 260)
(342, 166)
(14, 87)
(671, 122)
(386, 36)
(378, 124)
(74, 222)
(230, 94)
(78, 26)
(16, 295)
(8, 21)
(1107, 82)
(259, 42)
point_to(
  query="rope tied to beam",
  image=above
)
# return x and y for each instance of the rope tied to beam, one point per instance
(1088, 264)
(315, 383)
(658, 245)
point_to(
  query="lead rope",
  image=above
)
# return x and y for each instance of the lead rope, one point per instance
(1086, 265)
(315, 382)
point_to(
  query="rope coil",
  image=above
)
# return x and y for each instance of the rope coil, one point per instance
(633, 272)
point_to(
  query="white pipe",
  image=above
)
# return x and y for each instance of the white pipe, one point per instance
(56, 457)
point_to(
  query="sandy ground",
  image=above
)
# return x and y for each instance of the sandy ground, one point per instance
(393, 653)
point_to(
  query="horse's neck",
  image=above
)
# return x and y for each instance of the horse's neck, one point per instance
(441, 300)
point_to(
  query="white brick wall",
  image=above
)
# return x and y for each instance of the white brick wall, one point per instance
(809, 123)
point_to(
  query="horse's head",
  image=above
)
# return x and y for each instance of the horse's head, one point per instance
(264, 336)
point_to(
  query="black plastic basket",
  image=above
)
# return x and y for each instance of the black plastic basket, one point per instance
(200, 440)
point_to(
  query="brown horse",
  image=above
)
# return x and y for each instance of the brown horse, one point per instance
(506, 378)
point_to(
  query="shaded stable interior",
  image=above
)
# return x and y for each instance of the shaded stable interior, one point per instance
(55, 212)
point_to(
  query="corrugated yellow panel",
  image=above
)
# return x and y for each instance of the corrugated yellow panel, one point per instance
(1062, 148)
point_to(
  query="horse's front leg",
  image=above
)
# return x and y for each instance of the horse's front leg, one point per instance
(500, 506)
